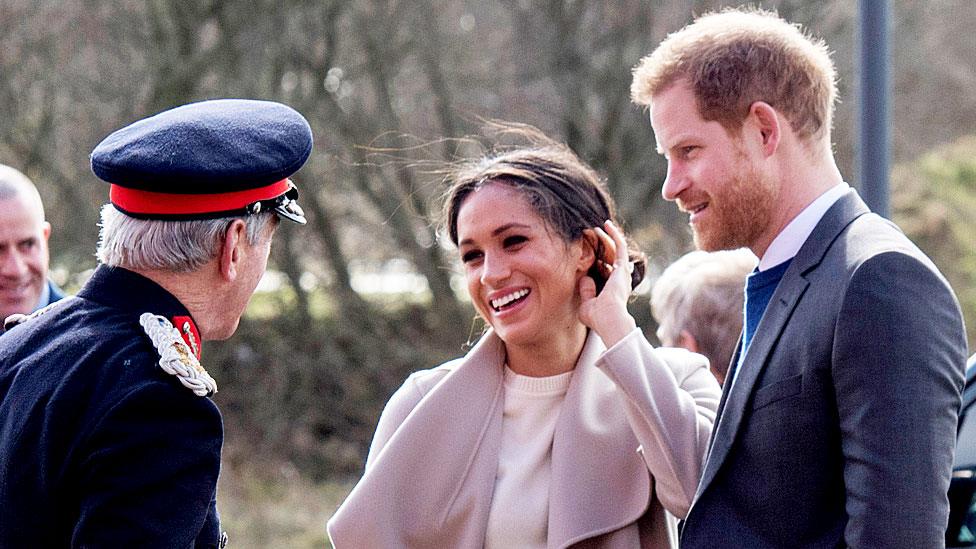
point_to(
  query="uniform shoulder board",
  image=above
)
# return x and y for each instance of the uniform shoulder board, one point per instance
(18, 319)
(15, 319)
(175, 356)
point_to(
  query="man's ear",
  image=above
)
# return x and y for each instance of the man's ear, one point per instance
(46, 230)
(764, 119)
(231, 251)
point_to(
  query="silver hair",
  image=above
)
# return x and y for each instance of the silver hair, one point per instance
(703, 293)
(176, 246)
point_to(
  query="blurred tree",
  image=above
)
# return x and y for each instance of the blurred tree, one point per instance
(934, 201)
(382, 82)
(934, 74)
(570, 62)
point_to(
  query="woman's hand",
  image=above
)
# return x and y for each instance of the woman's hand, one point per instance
(606, 313)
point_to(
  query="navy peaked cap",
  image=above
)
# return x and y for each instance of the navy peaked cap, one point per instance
(209, 159)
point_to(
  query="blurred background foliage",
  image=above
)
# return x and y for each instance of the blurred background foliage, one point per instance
(934, 201)
(394, 88)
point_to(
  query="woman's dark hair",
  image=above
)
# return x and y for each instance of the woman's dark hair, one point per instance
(561, 188)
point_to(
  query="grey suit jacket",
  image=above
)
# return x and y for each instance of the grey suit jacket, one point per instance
(840, 428)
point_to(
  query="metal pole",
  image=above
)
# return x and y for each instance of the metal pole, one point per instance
(874, 110)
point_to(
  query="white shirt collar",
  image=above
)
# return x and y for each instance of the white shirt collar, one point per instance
(787, 243)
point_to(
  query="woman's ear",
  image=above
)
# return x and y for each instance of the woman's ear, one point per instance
(590, 250)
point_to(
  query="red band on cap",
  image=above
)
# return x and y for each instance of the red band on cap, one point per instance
(138, 201)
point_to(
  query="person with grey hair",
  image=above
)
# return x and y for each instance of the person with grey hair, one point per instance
(697, 303)
(24, 255)
(109, 437)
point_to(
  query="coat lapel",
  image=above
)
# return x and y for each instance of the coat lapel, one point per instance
(586, 497)
(736, 398)
(435, 476)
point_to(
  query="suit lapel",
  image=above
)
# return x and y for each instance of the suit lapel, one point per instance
(773, 322)
(586, 497)
(736, 398)
(729, 375)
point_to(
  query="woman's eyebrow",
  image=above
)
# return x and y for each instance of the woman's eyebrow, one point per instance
(498, 231)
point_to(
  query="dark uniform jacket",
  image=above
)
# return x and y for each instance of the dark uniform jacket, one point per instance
(99, 447)
(54, 294)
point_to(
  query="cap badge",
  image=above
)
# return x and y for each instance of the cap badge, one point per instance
(176, 356)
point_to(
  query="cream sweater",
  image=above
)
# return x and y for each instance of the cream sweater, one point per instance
(519, 514)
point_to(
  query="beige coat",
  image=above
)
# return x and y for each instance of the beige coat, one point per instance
(629, 443)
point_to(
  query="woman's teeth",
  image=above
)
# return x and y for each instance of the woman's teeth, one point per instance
(505, 300)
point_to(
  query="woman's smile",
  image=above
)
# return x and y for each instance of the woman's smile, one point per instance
(509, 300)
(521, 275)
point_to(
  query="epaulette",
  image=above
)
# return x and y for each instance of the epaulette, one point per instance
(17, 319)
(175, 356)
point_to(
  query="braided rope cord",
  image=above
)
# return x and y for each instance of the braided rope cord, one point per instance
(176, 357)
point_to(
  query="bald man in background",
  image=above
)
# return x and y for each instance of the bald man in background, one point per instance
(24, 286)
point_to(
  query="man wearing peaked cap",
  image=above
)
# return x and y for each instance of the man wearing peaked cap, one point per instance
(206, 160)
(108, 437)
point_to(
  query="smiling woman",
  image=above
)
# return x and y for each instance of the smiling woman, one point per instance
(522, 277)
(562, 425)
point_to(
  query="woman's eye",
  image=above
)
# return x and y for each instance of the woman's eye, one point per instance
(468, 257)
(514, 240)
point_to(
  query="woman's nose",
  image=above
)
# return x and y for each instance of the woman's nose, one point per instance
(494, 270)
